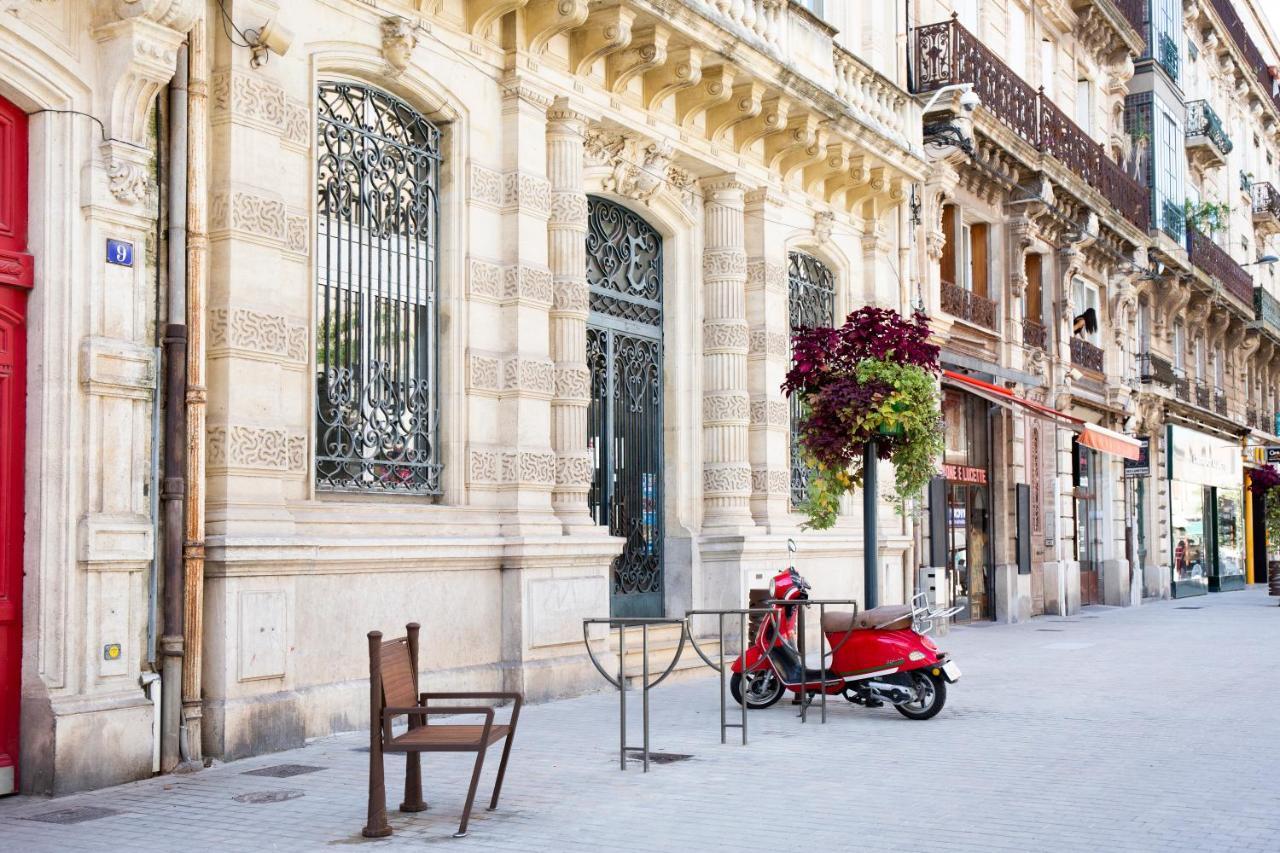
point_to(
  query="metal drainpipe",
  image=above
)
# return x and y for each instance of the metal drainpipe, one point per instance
(175, 439)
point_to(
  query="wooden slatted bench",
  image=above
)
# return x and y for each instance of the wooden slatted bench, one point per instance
(393, 692)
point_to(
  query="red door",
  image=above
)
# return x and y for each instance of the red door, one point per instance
(15, 283)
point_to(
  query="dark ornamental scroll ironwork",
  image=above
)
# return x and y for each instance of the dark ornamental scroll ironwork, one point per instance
(376, 336)
(812, 303)
(624, 355)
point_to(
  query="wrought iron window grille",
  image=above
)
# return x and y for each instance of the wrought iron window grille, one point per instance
(812, 304)
(377, 388)
(1168, 56)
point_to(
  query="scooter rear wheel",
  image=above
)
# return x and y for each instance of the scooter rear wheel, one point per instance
(763, 689)
(931, 693)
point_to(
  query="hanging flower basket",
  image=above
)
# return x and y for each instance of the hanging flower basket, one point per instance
(874, 378)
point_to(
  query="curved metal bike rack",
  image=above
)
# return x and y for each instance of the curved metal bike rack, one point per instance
(622, 624)
(806, 698)
(720, 615)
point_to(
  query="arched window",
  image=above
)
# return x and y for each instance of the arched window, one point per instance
(812, 302)
(376, 333)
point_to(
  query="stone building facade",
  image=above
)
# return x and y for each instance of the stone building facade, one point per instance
(487, 304)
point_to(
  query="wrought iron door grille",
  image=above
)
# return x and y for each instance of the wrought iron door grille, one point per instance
(812, 303)
(624, 355)
(376, 337)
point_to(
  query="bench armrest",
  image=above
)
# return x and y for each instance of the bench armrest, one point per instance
(438, 712)
(517, 700)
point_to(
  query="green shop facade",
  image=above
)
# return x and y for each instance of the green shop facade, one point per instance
(1206, 512)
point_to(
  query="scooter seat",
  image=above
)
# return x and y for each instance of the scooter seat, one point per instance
(888, 617)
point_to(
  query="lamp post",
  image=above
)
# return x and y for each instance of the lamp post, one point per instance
(870, 543)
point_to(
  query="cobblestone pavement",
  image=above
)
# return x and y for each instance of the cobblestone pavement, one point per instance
(1152, 728)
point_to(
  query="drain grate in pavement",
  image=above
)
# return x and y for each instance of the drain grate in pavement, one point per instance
(75, 814)
(257, 797)
(1190, 607)
(658, 757)
(283, 771)
(1053, 630)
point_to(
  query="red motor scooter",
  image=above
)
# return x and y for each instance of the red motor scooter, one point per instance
(877, 656)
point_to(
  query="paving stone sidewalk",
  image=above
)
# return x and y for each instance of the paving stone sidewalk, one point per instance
(1147, 729)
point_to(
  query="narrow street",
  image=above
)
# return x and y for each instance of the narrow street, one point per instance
(1151, 728)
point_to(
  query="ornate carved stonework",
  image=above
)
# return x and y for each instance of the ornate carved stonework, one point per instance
(258, 333)
(522, 191)
(772, 413)
(485, 280)
(639, 168)
(762, 342)
(256, 448)
(724, 408)
(486, 185)
(528, 375)
(526, 284)
(251, 215)
(398, 41)
(506, 467)
(128, 173)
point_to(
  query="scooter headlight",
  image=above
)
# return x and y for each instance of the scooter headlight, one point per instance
(915, 656)
(773, 587)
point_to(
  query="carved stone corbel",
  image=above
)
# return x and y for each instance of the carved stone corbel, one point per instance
(546, 19)
(745, 103)
(715, 88)
(771, 119)
(482, 13)
(606, 31)
(648, 50)
(682, 70)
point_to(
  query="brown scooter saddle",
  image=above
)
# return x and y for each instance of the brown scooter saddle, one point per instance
(888, 617)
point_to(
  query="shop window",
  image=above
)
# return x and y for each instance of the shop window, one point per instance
(377, 218)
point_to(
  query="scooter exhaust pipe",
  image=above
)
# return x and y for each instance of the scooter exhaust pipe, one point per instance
(892, 693)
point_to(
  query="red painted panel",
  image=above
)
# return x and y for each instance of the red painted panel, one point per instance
(15, 283)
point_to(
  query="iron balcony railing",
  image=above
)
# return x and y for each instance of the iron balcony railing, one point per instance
(1220, 402)
(1172, 220)
(947, 53)
(1203, 121)
(1168, 55)
(1181, 385)
(1086, 355)
(1134, 11)
(1214, 260)
(1252, 56)
(1266, 310)
(968, 306)
(1202, 394)
(1035, 334)
(1153, 368)
(1266, 200)
(1251, 417)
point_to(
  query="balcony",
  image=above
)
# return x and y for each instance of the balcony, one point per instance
(1167, 56)
(1085, 355)
(1181, 385)
(1251, 418)
(1035, 335)
(1153, 368)
(946, 53)
(1213, 260)
(968, 306)
(1220, 403)
(1202, 394)
(1266, 311)
(1173, 221)
(1253, 60)
(1266, 208)
(1207, 143)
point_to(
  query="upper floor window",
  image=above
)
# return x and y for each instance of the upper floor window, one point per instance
(967, 10)
(1084, 104)
(1018, 39)
(1088, 311)
(377, 217)
(1049, 68)
(814, 6)
(1179, 345)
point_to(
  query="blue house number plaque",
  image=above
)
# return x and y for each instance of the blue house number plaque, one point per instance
(120, 253)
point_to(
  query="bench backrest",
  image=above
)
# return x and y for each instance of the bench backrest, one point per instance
(396, 668)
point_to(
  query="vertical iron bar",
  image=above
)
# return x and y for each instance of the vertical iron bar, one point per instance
(822, 650)
(723, 720)
(804, 668)
(742, 644)
(622, 694)
(644, 697)
(870, 574)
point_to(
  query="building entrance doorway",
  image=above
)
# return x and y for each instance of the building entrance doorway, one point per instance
(1088, 538)
(15, 284)
(624, 418)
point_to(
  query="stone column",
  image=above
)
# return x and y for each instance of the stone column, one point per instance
(767, 351)
(726, 473)
(566, 256)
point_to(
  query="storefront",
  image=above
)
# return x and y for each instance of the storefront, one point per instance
(1085, 473)
(1206, 513)
(967, 489)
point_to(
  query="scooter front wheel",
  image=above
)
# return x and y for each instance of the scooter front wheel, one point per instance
(764, 688)
(931, 695)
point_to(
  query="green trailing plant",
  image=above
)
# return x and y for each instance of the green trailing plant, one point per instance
(1206, 216)
(1265, 481)
(875, 377)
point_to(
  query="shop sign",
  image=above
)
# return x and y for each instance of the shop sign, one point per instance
(1202, 459)
(1140, 467)
(1273, 455)
(965, 474)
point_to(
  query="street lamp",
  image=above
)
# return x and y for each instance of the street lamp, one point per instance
(1265, 260)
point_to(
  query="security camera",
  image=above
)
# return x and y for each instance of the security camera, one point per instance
(969, 100)
(271, 37)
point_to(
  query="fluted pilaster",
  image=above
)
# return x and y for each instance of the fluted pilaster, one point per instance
(726, 472)
(567, 258)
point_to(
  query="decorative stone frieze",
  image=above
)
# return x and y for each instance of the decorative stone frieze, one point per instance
(724, 408)
(486, 186)
(485, 280)
(257, 334)
(770, 413)
(484, 373)
(526, 193)
(249, 215)
(770, 275)
(762, 343)
(528, 376)
(770, 481)
(496, 467)
(637, 167)
(248, 448)
(527, 284)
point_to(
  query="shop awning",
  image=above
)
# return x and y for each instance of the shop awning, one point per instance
(1110, 441)
(1090, 435)
(1006, 398)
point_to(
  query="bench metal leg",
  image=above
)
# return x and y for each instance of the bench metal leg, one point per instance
(471, 794)
(502, 770)
(413, 801)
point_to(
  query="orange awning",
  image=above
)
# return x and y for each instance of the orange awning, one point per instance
(1090, 435)
(1110, 441)
(1005, 397)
